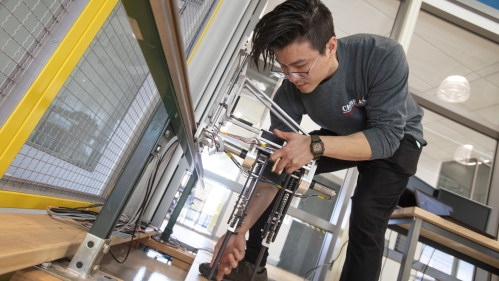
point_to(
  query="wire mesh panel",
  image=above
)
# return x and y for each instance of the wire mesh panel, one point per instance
(24, 27)
(81, 144)
(193, 16)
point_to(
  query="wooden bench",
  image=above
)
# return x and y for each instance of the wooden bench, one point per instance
(31, 239)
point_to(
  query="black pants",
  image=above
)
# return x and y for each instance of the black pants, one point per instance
(379, 186)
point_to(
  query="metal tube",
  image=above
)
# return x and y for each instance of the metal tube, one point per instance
(257, 263)
(275, 108)
(232, 148)
(323, 189)
(219, 254)
(244, 126)
(475, 176)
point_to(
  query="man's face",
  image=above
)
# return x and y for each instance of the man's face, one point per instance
(300, 57)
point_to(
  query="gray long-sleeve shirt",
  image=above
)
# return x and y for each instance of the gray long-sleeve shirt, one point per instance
(368, 93)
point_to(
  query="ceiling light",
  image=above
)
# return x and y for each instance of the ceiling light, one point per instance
(462, 155)
(454, 89)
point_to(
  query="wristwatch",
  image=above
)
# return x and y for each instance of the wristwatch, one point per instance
(316, 147)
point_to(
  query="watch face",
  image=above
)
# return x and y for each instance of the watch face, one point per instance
(317, 147)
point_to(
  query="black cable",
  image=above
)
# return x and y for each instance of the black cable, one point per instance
(330, 264)
(150, 184)
(127, 253)
(427, 264)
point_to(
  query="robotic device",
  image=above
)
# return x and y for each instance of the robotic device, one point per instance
(255, 153)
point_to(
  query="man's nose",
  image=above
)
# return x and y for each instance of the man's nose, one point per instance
(292, 78)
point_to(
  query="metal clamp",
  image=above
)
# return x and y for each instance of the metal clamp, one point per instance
(86, 260)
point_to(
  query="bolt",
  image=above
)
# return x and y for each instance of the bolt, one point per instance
(105, 249)
(79, 264)
(96, 267)
(90, 244)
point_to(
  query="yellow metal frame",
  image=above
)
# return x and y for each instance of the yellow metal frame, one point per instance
(9, 199)
(204, 32)
(39, 96)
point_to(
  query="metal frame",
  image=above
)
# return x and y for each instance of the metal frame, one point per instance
(480, 8)
(193, 178)
(403, 26)
(46, 51)
(463, 16)
(341, 213)
(416, 265)
(87, 258)
(168, 27)
(29, 111)
(212, 83)
(413, 236)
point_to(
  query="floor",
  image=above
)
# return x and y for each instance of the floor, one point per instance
(152, 266)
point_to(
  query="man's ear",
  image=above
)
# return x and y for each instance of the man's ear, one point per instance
(331, 46)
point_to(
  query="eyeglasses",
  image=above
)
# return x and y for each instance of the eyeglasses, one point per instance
(298, 75)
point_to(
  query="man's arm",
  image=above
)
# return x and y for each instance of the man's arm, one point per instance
(262, 197)
(234, 251)
(296, 152)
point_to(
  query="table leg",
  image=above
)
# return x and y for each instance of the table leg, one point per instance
(410, 249)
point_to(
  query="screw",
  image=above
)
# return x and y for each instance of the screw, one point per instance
(90, 244)
(105, 249)
(79, 264)
(55, 40)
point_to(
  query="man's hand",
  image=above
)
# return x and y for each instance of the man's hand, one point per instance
(294, 154)
(233, 253)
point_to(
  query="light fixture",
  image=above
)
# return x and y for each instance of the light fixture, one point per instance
(454, 89)
(185, 179)
(462, 155)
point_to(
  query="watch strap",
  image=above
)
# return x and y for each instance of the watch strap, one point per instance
(316, 140)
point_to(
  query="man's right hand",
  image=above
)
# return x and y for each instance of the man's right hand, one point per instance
(233, 253)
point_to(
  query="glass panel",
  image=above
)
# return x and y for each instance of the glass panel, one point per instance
(441, 163)
(203, 206)
(456, 158)
(465, 271)
(303, 243)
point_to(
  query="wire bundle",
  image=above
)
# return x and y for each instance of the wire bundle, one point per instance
(306, 196)
(126, 224)
(85, 218)
(312, 271)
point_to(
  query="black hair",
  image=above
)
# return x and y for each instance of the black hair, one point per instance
(292, 21)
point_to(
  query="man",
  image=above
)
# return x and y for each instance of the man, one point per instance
(356, 89)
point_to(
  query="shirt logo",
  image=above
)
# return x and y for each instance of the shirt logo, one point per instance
(349, 108)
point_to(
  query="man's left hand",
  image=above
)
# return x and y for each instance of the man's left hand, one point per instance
(294, 154)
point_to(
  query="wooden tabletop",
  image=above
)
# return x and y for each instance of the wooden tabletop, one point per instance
(454, 228)
(30, 239)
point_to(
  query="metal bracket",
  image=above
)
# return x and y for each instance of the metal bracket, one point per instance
(85, 262)
(59, 269)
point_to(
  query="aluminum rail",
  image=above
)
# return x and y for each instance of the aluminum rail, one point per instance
(168, 24)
